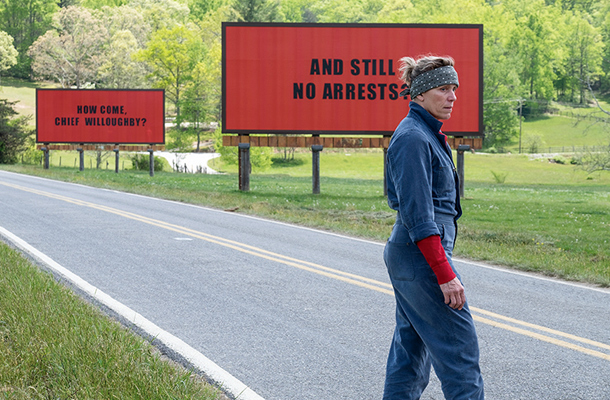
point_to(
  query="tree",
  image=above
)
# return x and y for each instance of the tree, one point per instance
(534, 40)
(603, 20)
(119, 70)
(583, 56)
(98, 4)
(25, 21)
(501, 95)
(159, 14)
(257, 10)
(172, 54)
(72, 52)
(502, 91)
(200, 8)
(203, 92)
(126, 18)
(13, 132)
(399, 11)
(128, 33)
(8, 54)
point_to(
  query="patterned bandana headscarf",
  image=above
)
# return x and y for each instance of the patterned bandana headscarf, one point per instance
(431, 79)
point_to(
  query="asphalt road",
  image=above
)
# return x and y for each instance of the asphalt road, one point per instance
(296, 313)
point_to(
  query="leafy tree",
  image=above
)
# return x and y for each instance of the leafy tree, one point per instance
(172, 54)
(603, 21)
(534, 40)
(501, 94)
(128, 32)
(8, 54)
(583, 56)
(346, 11)
(257, 10)
(67, 3)
(399, 11)
(13, 132)
(126, 18)
(98, 4)
(200, 8)
(72, 52)
(159, 14)
(25, 21)
(575, 5)
(203, 92)
(119, 70)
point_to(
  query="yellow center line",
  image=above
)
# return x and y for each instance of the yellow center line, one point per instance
(332, 273)
(542, 328)
(543, 338)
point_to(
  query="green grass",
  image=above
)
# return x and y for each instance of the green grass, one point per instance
(22, 91)
(557, 230)
(55, 346)
(562, 131)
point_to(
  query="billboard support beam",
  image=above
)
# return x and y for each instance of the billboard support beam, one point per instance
(45, 151)
(244, 167)
(81, 158)
(385, 171)
(315, 163)
(460, 166)
(116, 159)
(151, 161)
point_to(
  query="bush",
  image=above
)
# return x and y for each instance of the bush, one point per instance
(180, 140)
(13, 133)
(141, 162)
(559, 160)
(260, 157)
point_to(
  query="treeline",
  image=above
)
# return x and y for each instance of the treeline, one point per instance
(535, 50)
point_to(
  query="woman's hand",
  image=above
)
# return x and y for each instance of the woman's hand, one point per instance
(454, 293)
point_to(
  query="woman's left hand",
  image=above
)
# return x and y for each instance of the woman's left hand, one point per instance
(454, 293)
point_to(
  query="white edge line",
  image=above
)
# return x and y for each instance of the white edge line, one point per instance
(226, 381)
(464, 261)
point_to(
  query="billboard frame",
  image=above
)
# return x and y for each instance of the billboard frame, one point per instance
(162, 142)
(479, 27)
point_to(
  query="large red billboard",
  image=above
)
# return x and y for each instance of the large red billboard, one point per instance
(340, 78)
(100, 116)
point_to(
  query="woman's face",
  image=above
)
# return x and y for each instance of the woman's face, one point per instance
(438, 101)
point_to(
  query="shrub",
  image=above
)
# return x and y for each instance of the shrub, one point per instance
(13, 133)
(141, 162)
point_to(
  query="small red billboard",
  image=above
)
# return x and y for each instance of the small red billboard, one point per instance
(340, 78)
(100, 116)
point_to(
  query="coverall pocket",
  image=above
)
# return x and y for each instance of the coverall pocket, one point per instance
(398, 260)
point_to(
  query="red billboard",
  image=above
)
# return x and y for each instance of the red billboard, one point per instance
(340, 78)
(100, 116)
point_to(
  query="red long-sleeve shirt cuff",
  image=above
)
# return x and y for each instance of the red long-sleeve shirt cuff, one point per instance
(433, 252)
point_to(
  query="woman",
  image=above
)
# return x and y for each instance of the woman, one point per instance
(433, 323)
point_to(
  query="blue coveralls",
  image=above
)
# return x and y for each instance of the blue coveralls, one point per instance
(422, 187)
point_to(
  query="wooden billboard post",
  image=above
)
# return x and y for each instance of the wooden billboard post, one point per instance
(116, 159)
(315, 166)
(244, 167)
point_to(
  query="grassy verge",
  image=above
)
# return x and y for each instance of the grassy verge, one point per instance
(545, 217)
(55, 346)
